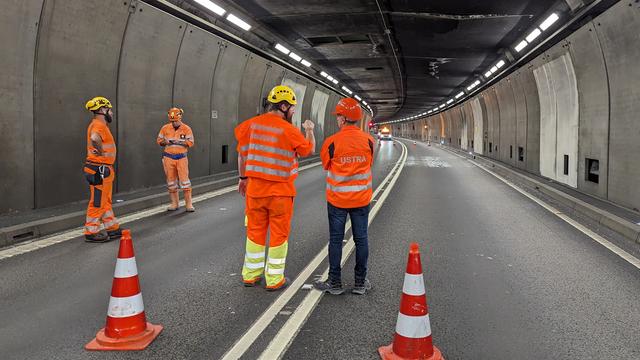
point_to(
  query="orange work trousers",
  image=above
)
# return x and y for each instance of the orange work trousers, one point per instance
(99, 209)
(270, 215)
(177, 172)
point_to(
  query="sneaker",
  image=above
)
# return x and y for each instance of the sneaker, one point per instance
(360, 288)
(329, 287)
(283, 285)
(190, 209)
(99, 237)
(115, 234)
(252, 283)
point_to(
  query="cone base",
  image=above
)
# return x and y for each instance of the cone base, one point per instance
(136, 342)
(386, 353)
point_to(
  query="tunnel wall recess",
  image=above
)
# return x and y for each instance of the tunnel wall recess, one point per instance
(570, 114)
(62, 53)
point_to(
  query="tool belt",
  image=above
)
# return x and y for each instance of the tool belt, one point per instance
(174, 156)
(96, 173)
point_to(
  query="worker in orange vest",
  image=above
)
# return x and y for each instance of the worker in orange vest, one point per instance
(99, 172)
(176, 138)
(347, 156)
(268, 148)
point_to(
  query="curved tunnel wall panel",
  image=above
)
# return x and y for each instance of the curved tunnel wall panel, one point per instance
(507, 128)
(478, 126)
(299, 87)
(273, 77)
(532, 154)
(253, 78)
(618, 33)
(591, 74)
(71, 68)
(519, 157)
(145, 91)
(18, 30)
(547, 122)
(225, 99)
(493, 122)
(192, 92)
(318, 113)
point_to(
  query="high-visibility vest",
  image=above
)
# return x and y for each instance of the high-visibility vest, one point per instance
(269, 154)
(182, 133)
(108, 156)
(349, 155)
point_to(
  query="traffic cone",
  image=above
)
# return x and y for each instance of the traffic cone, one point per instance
(127, 327)
(413, 331)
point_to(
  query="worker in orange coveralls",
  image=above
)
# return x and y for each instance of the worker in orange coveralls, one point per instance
(176, 138)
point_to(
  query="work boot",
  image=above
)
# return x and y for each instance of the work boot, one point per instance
(115, 234)
(284, 284)
(252, 283)
(330, 287)
(361, 287)
(99, 237)
(188, 204)
(174, 201)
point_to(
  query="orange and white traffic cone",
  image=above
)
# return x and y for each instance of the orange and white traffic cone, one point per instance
(127, 327)
(413, 330)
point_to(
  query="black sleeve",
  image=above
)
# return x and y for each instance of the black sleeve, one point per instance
(332, 149)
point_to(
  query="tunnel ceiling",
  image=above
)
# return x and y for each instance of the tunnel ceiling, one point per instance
(440, 45)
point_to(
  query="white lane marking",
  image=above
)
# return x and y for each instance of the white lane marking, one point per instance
(281, 342)
(43, 242)
(252, 334)
(602, 241)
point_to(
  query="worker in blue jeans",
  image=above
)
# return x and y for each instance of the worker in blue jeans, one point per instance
(347, 157)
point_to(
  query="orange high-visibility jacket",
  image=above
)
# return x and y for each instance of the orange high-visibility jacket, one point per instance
(108, 156)
(183, 132)
(271, 145)
(347, 156)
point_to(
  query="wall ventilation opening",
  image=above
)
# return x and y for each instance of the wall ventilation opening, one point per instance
(374, 68)
(225, 154)
(490, 147)
(592, 167)
(566, 165)
(520, 153)
(510, 151)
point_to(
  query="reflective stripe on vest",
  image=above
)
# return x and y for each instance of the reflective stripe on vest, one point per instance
(340, 178)
(269, 160)
(349, 188)
(268, 171)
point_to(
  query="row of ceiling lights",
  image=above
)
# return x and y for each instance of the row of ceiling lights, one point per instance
(491, 71)
(217, 9)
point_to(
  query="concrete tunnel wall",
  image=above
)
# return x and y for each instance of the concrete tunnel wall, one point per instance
(62, 53)
(579, 100)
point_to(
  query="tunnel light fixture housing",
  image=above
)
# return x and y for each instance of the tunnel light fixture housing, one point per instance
(324, 74)
(442, 106)
(487, 74)
(238, 22)
(305, 63)
(335, 81)
(358, 98)
(209, 5)
(459, 95)
(500, 64)
(365, 103)
(549, 21)
(493, 69)
(523, 44)
(449, 101)
(282, 49)
(295, 56)
(347, 90)
(533, 35)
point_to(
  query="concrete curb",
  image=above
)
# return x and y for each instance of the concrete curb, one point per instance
(622, 226)
(11, 235)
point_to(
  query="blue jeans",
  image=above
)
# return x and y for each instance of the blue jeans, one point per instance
(359, 223)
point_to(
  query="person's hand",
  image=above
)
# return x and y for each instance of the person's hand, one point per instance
(163, 143)
(242, 187)
(308, 125)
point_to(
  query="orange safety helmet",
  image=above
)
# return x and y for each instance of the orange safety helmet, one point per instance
(175, 114)
(349, 108)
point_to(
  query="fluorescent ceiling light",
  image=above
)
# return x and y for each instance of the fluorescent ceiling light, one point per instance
(494, 69)
(487, 74)
(211, 6)
(324, 74)
(441, 106)
(470, 87)
(550, 21)
(358, 98)
(533, 35)
(461, 94)
(365, 103)
(347, 90)
(295, 56)
(523, 44)
(500, 64)
(430, 111)
(476, 83)
(239, 22)
(335, 81)
(305, 63)
(282, 49)
(450, 101)
(329, 77)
